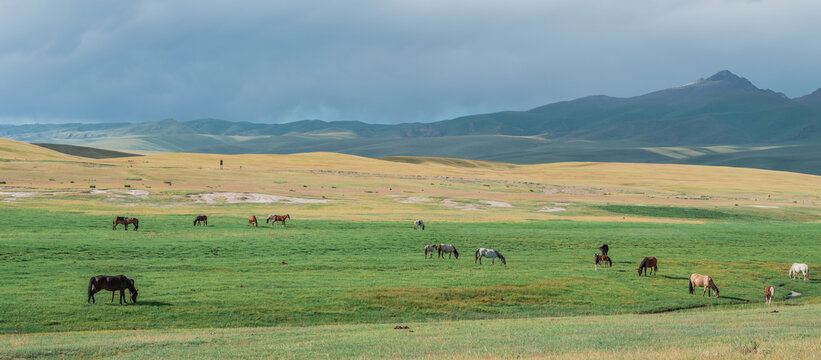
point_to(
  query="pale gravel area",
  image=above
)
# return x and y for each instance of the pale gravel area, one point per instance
(764, 206)
(492, 203)
(550, 209)
(415, 199)
(12, 196)
(255, 198)
(452, 204)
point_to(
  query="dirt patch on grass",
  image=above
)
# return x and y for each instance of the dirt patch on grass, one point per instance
(461, 206)
(414, 199)
(255, 198)
(492, 203)
(548, 209)
(13, 196)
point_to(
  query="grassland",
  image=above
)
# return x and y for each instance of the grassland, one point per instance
(350, 266)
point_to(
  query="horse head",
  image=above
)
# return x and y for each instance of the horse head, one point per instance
(134, 296)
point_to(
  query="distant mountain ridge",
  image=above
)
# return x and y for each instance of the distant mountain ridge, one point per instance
(722, 109)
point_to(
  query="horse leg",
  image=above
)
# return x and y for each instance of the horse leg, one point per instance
(112, 295)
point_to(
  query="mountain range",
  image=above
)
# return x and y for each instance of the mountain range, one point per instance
(720, 120)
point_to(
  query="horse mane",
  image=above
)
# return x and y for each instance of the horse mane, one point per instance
(499, 255)
(455, 253)
(643, 262)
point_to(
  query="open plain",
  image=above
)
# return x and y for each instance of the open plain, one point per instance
(348, 266)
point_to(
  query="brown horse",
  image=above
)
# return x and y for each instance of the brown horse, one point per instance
(703, 281)
(601, 260)
(202, 219)
(274, 218)
(111, 283)
(252, 221)
(768, 295)
(648, 263)
(125, 221)
(429, 249)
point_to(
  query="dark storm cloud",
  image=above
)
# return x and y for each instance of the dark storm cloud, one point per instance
(380, 61)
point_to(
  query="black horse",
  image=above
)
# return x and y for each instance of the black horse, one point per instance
(202, 219)
(111, 283)
(604, 249)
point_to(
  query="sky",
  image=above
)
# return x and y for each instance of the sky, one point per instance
(381, 61)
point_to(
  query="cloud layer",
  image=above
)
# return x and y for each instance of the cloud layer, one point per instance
(380, 61)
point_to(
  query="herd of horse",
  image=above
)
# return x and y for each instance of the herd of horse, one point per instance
(121, 282)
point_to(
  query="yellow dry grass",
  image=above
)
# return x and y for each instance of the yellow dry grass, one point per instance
(445, 189)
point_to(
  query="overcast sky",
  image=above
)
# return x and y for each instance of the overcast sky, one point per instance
(381, 61)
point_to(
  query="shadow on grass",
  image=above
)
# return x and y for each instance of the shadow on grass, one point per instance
(151, 303)
(734, 298)
(674, 278)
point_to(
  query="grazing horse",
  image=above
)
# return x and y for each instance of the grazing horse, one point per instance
(648, 263)
(449, 249)
(202, 219)
(430, 249)
(274, 218)
(125, 221)
(602, 260)
(252, 221)
(768, 295)
(488, 253)
(703, 281)
(604, 249)
(419, 223)
(111, 283)
(799, 268)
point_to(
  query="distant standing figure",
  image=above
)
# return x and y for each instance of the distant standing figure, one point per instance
(430, 249)
(799, 268)
(202, 219)
(252, 221)
(604, 249)
(419, 223)
(768, 295)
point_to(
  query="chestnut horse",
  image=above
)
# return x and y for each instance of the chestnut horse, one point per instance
(768, 295)
(252, 221)
(111, 283)
(125, 221)
(601, 260)
(202, 219)
(703, 281)
(274, 218)
(648, 263)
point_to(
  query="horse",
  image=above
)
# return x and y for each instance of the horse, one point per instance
(449, 249)
(111, 283)
(604, 249)
(430, 249)
(274, 218)
(202, 219)
(252, 221)
(419, 223)
(125, 221)
(768, 295)
(601, 260)
(799, 268)
(488, 253)
(703, 281)
(648, 263)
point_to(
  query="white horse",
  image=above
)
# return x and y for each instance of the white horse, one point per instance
(769, 292)
(419, 223)
(799, 268)
(488, 253)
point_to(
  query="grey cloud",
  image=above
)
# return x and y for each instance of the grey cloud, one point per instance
(380, 61)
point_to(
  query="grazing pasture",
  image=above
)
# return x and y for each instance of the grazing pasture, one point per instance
(229, 275)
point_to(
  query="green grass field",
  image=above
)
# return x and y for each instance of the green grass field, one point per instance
(229, 275)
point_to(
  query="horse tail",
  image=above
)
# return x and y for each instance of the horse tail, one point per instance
(691, 286)
(476, 255)
(90, 288)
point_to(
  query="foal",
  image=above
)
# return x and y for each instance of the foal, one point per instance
(768, 295)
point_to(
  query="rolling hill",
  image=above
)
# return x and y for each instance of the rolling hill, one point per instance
(723, 119)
